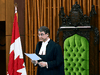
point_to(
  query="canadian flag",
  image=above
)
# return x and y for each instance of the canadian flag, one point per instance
(16, 64)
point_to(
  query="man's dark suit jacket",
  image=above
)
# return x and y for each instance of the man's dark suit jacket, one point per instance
(53, 57)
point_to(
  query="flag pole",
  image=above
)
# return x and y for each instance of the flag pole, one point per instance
(16, 5)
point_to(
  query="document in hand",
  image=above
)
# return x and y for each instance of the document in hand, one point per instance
(33, 56)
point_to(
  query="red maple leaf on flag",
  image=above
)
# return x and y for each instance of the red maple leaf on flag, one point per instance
(15, 65)
(18, 65)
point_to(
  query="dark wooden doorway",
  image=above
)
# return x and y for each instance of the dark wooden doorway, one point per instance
(2, 49)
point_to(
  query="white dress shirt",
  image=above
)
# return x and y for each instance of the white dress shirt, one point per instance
(43, 47)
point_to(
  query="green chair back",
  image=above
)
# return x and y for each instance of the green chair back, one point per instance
(76, 55)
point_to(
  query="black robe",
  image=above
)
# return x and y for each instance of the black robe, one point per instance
(53, 57)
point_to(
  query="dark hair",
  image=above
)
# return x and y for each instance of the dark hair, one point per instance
(45, 29)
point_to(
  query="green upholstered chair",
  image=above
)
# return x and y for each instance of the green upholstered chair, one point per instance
(76, 55)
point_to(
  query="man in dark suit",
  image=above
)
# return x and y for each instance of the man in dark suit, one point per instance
(52, 62)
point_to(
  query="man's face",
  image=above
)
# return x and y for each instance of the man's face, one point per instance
(42, 36)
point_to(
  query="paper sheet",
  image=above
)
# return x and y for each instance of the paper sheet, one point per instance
(33, 56)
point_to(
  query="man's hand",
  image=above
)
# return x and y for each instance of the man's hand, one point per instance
(42, 64)
(34, 62)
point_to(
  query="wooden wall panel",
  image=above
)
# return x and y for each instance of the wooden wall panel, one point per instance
(9, 16)
(88, 7)
(2, 10)
(9, 25)
(58, 9)
(90, 4)
(70, 4)
(51, 28)
(46, 13)
(54, 18)
(26, 33)
(68, 9)
(23, 44)
(80, 3)
(73, 2)
(32, 36)
(64, 5)
(38, 10)
(44, 1)
(84, 6)
(42, 5)
(8, 43)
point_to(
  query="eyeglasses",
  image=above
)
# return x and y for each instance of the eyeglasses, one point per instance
(40, 34)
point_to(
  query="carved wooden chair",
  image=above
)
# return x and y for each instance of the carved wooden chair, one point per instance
(79, 39)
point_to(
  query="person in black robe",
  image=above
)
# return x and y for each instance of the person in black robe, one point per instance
(52, 62)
